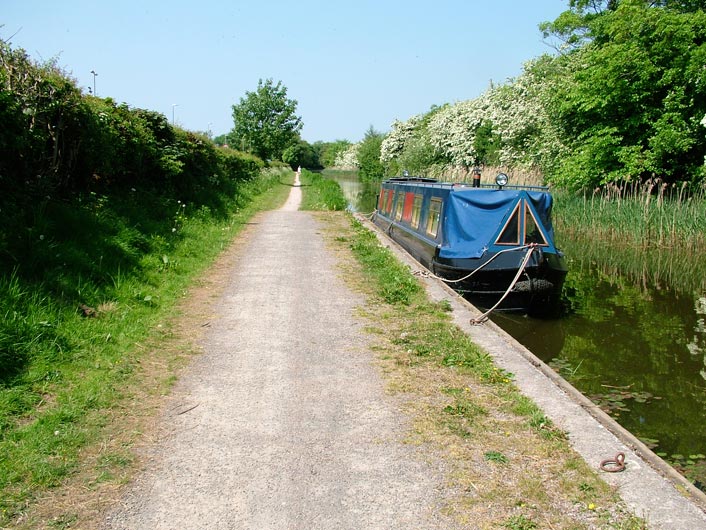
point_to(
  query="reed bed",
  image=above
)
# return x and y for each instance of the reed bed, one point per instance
(646, 215)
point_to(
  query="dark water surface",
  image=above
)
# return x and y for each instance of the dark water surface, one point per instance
(632, 338)
(638, 350)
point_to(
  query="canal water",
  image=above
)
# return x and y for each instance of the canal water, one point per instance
(361, 196)
(632, 338)
(634, 346)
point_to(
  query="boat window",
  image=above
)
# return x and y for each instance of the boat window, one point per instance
(434, 216)
(416, 211)
(408, 203)
(510, 234)
(532, 232)
(399, 204)
(388, 206)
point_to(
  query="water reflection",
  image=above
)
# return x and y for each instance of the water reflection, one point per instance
(361, 196)
(697, 347)
(637, 349)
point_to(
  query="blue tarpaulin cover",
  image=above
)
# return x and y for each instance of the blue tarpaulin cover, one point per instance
(472, 219)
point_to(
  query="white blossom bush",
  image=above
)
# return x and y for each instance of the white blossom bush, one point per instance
(401, 132)
(516, 113)
(452, 130)
(407, 148)
(348, 159)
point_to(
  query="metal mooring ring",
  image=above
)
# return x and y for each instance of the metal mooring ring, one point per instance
(614, 465)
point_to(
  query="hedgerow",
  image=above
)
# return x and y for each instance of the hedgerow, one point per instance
(58, 145)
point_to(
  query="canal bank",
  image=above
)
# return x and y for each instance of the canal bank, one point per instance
(650, 487)
(631, 335)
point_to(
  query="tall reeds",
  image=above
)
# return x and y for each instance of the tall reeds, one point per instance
(652, 214)
(652, 231)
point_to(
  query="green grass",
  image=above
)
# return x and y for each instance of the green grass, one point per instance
(519, 522)
(98, 277)
(396, 284)
(496, 457)
(321, 194)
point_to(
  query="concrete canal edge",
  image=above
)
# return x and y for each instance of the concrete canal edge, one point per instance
(648, 485)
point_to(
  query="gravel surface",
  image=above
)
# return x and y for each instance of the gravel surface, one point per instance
(283, 422)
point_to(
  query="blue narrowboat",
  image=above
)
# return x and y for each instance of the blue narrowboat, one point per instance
(494, 244)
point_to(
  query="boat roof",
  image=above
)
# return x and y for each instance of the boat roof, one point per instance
(434, 183)
(473, 218)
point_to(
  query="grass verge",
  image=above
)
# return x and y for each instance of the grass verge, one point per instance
(321, 193)
(72, 412)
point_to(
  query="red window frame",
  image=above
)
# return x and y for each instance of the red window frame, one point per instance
(408, 203)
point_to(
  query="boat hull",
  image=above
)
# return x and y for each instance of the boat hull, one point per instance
(478, 240)
(537, 291)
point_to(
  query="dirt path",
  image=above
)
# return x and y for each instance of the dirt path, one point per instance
(283, 421)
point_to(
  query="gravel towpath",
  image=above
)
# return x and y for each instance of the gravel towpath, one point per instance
(283, 422)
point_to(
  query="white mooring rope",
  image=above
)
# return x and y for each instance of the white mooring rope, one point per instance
(485, 315)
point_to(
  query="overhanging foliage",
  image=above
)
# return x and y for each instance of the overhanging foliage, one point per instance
(624, 99)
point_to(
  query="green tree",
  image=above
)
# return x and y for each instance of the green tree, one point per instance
(371, 167)
(328, 151)
(301, 154)
(582, 22)
(265, 121)
(633, 94)
(221, 140)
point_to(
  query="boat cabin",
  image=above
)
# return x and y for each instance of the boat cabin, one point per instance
(453, 229)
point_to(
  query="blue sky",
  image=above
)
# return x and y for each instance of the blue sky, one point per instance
(349, 65)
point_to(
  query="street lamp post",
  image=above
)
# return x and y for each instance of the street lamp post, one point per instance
(173, 106)
(94, 82)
